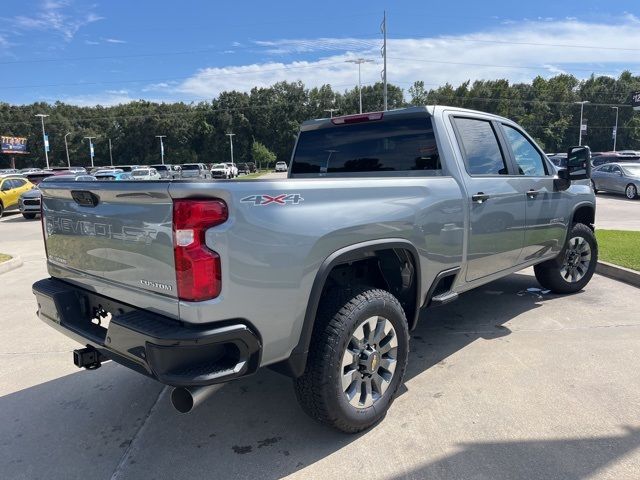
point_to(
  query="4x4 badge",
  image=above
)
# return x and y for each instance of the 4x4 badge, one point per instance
(282, 199)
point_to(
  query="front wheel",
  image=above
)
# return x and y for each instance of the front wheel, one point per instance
(357, 359)
(29, 216)
(631, 191)
(573, 268)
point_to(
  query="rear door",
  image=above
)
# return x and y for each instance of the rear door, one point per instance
(114, 232)
(496, 207)
(546, 209)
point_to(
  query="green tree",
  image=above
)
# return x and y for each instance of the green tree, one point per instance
(262, 156)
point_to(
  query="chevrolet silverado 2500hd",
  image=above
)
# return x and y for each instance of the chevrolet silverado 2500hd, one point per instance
(321, 275)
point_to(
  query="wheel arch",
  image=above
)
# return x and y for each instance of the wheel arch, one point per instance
(361, 252)
(584, 213)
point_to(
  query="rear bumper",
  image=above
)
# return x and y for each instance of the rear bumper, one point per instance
(170, 351)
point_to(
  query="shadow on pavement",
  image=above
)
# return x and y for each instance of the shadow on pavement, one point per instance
(567, 459)
(92, 424)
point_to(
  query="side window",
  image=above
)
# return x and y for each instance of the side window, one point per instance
(615, 169)
(8, 185)
(482, 153)
(528, 159)
(17, 183)
(606, 169)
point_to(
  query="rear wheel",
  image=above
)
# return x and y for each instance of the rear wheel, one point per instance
(573, 268)
(357, 359)
(29, 216)
(631, 191)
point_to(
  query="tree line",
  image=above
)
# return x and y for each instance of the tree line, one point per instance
(269, 118)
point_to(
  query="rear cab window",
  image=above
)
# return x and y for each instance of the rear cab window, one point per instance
(391, 145)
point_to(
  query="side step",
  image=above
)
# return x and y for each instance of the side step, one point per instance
(444, 298)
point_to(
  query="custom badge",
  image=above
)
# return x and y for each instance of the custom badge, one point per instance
(282, 199)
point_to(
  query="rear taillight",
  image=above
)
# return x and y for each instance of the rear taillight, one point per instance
(198, 273)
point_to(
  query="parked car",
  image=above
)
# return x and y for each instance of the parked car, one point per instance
(166, 171)
(106, 170)
(243, 168)
(145, 174)
(37, 177)
(281, 167)
(113, 176)
(220, 170)
(617, 178)
(252, 167)
(233, 169)
(195, 170)
(612, 157)
(9, 171)
(216, 279)
(29, 203)
(11, 187)
(559, 159)
(25, 171)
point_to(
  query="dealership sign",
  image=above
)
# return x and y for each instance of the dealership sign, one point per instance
(13, 145)
(635, 100)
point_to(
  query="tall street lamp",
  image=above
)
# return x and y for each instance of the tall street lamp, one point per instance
(615, 130)
(230, 135)
(90, 148)
(66, 148)
(359, 62)
(161, 147)
(45, 140)
(110, 154)
(331, 110)
(581, 112)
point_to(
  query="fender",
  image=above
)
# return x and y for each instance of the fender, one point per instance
(294, 366)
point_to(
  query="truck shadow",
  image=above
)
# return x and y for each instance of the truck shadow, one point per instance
(112, 421)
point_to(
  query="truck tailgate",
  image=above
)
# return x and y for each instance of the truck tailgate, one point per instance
(114, 232)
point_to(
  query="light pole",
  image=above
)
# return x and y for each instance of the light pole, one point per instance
(90, 149)
(161, 147)
(110, 155)
(581, 112)
(359, 62)
(615, 130)
(45, 140)
(66, 147)
(230, 135)
(331, 110)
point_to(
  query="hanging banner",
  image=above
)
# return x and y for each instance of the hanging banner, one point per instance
(46, 143)
(13, 145)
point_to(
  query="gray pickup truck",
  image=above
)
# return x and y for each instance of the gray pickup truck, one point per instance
(321, 275)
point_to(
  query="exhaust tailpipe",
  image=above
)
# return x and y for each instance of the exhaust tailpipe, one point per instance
(185, 399)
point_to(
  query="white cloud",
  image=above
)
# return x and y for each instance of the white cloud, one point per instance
(518, 51)
(106, 99)
(55, 16)
(114, 40)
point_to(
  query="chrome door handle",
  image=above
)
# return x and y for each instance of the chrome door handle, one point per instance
(480, 197)
(533, 193)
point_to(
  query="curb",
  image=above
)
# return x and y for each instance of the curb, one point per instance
(9, 265)
(621, 274)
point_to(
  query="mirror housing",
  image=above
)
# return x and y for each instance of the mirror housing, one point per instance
(578, 167)
(578, 163)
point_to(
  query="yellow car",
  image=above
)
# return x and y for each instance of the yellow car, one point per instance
(10, 190)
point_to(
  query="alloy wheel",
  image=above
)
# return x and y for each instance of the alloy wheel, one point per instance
(576, 260)
(369, 362)
(631, 192)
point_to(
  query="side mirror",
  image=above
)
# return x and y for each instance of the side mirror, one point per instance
(578, 163)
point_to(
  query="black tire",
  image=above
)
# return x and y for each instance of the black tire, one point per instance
(319, 390)
(1, 209)
(555, 274)
(630, 191)
(593, 185)
(29, 216)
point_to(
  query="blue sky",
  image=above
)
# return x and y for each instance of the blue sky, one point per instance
(108, 52)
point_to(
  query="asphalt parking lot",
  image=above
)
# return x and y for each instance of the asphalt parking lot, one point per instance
(505, 383)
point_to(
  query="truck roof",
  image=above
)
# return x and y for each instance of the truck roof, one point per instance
(408, 111)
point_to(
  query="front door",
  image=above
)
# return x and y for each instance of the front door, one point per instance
(546, 210)
(496, 206)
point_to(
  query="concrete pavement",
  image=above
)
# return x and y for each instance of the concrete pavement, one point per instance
(504, 383)
(617, 212)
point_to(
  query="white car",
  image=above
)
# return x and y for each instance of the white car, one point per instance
(281, 167)
(233, 169)
(221, 170)
(145, 174)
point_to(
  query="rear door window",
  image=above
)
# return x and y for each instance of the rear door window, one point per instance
(480, 146)
(405, 144)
